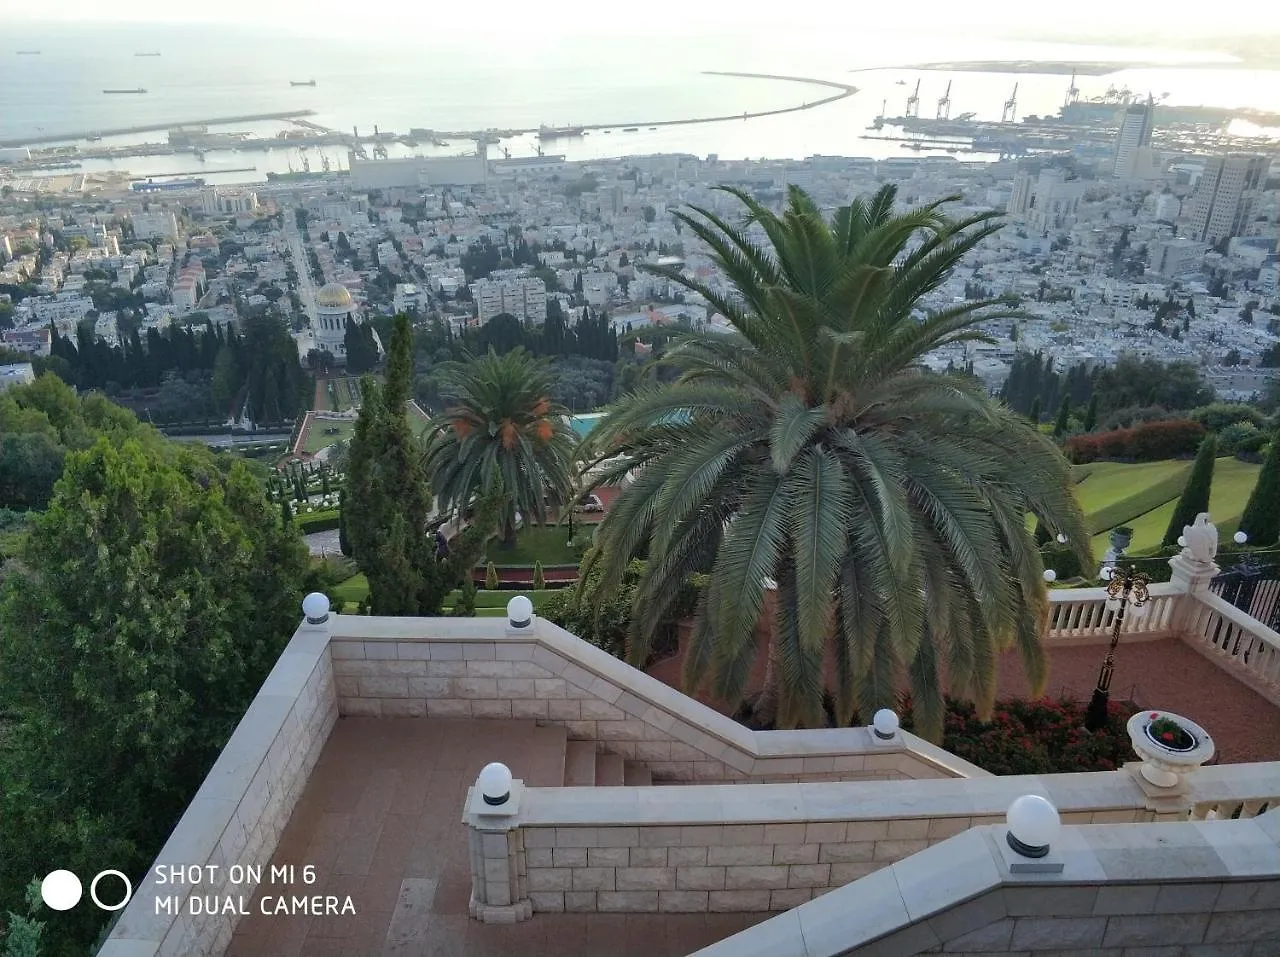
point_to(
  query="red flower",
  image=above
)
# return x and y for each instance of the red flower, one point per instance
(1155, 714)
(1167, 736)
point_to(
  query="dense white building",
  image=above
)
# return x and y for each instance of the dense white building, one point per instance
(224, 201)
(160, 224)
(1135, 133)
(418, 172)
(526, 299)
(1226, 196)
(1173, 256)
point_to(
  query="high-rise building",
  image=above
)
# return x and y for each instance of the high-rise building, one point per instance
(526, 299)
(1225, 197)
(1135, 133)
(1020, 198)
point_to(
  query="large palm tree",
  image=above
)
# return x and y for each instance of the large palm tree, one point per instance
(808, 449)
(500, 425)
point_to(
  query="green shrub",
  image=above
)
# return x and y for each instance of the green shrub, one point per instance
(318, 521)
(539, 579)
(1221, 415)
(491, 581)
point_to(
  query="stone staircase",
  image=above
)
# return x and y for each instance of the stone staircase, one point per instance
(557, 760)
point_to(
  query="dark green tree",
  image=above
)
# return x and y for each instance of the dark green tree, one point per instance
(286, 513)
(1034, 415)
(1091, 414)
(154, 595)
(1195, 494)
(1064, 417)
(491, 581)
(389, 499)
(344, 540)
(1261, 518)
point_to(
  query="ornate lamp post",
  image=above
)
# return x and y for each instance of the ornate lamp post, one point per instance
(1124, 588)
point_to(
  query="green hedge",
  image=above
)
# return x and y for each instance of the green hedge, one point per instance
(317, 521)
(1127, 509)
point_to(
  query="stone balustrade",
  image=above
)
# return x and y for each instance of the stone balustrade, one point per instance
(1236, 642)
(479, 668)
(1204, 888)
(772, 846)
(1079, 616)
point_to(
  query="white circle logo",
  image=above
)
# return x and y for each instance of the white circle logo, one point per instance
(93, 890)
(61, 890)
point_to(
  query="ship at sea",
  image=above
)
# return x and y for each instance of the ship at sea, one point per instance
(28, 52)
(151, 186)
(136, 90)
(302, 82)
(149, 53)
(552, 132)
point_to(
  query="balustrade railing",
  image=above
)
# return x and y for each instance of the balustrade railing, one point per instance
(1236, 641)
(1083, 614)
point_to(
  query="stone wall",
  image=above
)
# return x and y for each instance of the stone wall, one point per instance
(769, 847)
(240, 810)
(1207, 889)
(478, 668)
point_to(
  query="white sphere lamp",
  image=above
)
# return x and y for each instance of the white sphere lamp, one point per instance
(1050, 575)
(884, 724)
(1062, 538)
(1106, 573)
(1033, 825)
(1240, 538)
(1182, 541)
(520, 612)
(494, 783)
(316, 608)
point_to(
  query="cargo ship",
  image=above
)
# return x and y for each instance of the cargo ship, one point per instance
(28, 52)
(552, 132)
(148, 53)
(302, 82)
(135, 90)
(151, 186)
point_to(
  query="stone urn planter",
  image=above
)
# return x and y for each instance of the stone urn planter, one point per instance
(1121, 538)
(1169, 745)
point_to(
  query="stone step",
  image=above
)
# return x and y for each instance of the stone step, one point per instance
(546, 757)
(579, 764)
(635, 774)
(608, 770)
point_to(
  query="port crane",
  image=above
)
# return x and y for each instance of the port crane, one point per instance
(379, 148)
(944, 104)
(1009, 113)
(1073, 92)
(913, 102)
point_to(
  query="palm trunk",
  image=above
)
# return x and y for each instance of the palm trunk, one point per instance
(765, 709)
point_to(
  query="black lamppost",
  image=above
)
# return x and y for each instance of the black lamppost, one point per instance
(1128, 588)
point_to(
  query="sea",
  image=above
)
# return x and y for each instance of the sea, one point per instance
(399, 82)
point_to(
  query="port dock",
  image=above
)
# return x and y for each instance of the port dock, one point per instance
(151, 128)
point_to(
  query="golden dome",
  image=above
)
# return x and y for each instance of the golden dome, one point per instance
(334, 295)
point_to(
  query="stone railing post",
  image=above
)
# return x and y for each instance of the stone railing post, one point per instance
(499, 876)
(1192, 578)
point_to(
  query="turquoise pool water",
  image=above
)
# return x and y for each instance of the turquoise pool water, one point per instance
(583, 424)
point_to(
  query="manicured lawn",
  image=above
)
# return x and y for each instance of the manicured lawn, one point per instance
(317, 438)
(488, 603)
(544, 543)
(1233, 481)
(1111, 482)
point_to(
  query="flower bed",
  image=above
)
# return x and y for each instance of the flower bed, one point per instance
(1043, 736)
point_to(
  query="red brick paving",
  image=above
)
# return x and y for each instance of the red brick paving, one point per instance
(382, 810)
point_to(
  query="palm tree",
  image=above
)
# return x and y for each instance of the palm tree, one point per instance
(501, 426)
(808, 449)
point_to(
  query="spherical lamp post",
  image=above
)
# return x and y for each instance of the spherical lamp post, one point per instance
(520, 612)
(884, 725)
(1033, 826)
(494, 783)
(1240, 538)
(315, 607)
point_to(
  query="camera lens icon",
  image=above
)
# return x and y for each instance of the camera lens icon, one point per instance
(62, 890)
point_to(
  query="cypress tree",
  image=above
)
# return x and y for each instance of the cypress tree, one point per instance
(1091, 414)
(344, 543)
(286, 513)
(1064, 416)
(1261, 518)
(539, 578)
(491, 577)
(1195, 496)
(1035, 411)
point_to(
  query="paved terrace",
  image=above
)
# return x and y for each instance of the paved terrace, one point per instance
(379, 819)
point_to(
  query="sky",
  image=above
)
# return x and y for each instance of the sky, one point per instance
(322, 17)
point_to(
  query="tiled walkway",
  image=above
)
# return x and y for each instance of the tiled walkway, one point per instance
(1171, 675)
(381, 821)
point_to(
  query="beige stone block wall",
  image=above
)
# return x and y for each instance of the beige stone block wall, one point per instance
(242, 807)
(462, 670)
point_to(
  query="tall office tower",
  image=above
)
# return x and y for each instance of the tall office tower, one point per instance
(1226, 196)
(1135, 133)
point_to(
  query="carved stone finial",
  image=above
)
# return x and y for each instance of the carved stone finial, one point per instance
(1202, 540)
